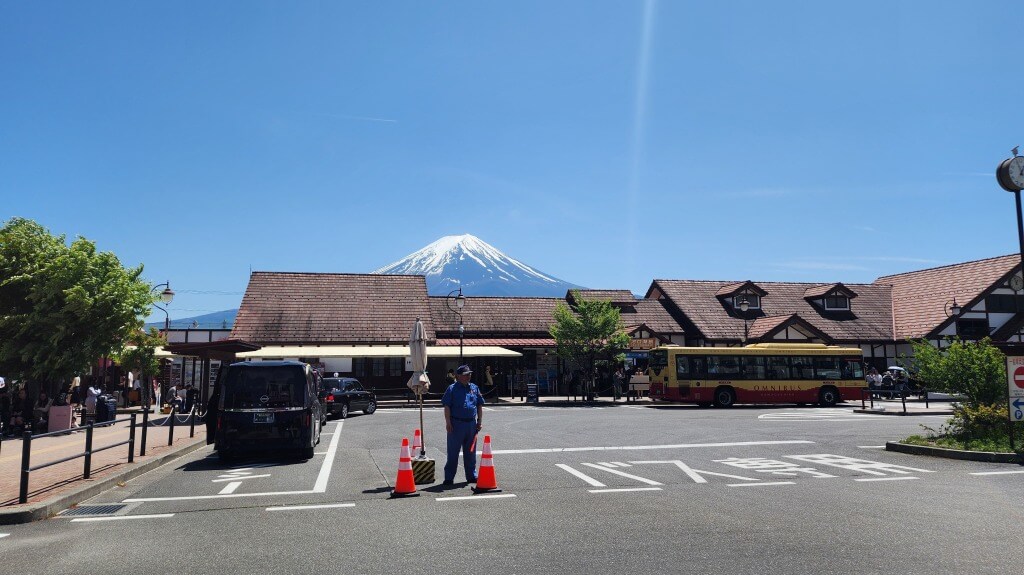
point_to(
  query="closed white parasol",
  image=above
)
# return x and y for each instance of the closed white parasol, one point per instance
(419, 382)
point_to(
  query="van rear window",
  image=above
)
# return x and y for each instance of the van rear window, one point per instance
(258, 387)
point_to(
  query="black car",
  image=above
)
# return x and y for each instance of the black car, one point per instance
(268, 406)
(342, 395)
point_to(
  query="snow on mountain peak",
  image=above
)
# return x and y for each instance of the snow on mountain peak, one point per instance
(480, 268)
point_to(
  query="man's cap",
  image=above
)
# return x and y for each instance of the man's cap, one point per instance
(463, 370)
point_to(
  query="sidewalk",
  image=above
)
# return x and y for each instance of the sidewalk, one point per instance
(55, 488)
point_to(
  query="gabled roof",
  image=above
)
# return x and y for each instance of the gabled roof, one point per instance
(766, 327)
(619, 296)
(700, 303)
(730, 289)
(825, 289)
(322, 308)
(654, 315)
(496, 315)
(920, 299)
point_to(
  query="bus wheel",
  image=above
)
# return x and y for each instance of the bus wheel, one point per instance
(725, 397)
(828, 396)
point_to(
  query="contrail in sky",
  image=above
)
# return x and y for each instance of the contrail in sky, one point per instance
(639, 116)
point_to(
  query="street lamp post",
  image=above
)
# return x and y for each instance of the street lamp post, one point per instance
(460, 302)
(953, 310)
(744, 306)
(166, 296)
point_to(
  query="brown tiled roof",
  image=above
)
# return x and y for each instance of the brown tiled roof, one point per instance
(501, 341)
(653, 314)
(762, 325)
(511, 316)
(612, 295)
(731, 288)
(920, 298)
(287, 308)
(821, 290)
(870, 319)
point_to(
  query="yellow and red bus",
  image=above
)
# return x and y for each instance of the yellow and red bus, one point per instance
(757, 373)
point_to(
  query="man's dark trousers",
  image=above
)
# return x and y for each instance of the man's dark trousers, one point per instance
(461, 437)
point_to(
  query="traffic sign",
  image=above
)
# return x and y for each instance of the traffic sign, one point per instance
(1015, 376)
(1017, 409)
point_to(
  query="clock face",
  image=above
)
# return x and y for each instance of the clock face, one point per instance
(1015, 171)
(1016, 283)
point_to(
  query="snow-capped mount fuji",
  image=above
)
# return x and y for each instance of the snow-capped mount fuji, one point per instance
(478, 267)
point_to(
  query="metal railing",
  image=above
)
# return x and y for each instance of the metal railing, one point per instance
(868, 394)
(26, 449)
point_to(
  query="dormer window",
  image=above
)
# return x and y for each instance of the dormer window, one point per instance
(753, 301)
(837, 302)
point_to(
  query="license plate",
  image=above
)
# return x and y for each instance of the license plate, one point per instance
(263, 418)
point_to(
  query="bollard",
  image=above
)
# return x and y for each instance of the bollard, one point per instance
(145, 427)
(26, 456)
(170, 430)
(192, 422)
(131, 440)
(88, 451)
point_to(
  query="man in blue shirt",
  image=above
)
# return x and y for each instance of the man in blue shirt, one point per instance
(463, 418)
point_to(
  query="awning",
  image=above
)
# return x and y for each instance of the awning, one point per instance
(322, 351)
(158, 352)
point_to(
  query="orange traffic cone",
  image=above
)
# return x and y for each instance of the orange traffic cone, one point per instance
(485, 480)
(405, 484)
(417, 443)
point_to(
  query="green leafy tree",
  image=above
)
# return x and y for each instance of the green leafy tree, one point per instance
(140, 356)
(976, 370)
(589, 334)
(62, 306)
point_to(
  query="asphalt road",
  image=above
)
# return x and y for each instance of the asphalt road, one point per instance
(624, 489)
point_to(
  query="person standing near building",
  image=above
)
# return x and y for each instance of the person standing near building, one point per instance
(94, 391)
(463, 418)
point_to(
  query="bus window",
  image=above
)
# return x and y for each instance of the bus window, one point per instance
(778, 367)
(852, 368)
(826, 367)
(724, 366)
(682, 367)
(802, 368)
(752, 367)
(658, 359)
(698, 367)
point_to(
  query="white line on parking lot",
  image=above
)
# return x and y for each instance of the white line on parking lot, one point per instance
(624, 489)
(996, 472)
(240, 477)
(580, 474)
(761, 484)
(886, 479)
(466, 497)
(230, 487)
(2, 535)
(301, 507)
(643, 447)
(120, 517)
(623, 474)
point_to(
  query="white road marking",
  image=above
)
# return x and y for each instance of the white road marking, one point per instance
(230, 487)
(581, 475)
(886, 478)
(633, 407)
(492, 496)
(319, 487)
(2, 535)
(646, 447)
(996, 472)
(761, 484)
(243, 477)
(624, 474)
(120, 517)
(624, 490)
(489, 408)
(302, 507)
(320, 453)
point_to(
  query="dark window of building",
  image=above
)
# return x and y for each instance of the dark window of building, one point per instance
(1004, 303)
(837, 302)
(360, 366)
(972, 328)
(753, 301)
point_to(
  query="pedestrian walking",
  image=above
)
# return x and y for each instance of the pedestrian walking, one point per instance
(463, 418)
(617, 379)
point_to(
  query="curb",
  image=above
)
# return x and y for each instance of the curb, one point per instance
(900, 412)
(45, 509)
(983, 456)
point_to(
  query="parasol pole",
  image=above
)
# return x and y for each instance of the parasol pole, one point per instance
(423, 434)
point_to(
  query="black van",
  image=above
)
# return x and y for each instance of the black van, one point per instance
(268, 406)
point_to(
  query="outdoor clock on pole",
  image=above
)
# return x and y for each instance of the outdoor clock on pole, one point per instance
(1010, 174)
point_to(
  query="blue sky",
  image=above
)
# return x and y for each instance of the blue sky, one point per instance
(604, 142)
